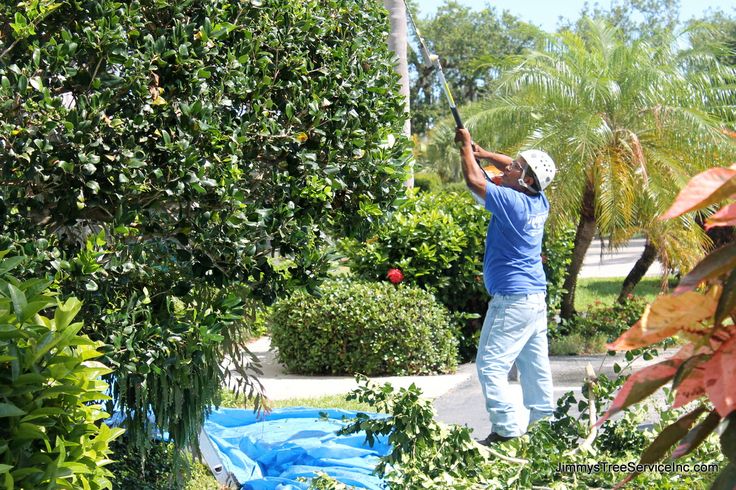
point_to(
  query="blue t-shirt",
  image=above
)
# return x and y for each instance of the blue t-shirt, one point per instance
(513, 259)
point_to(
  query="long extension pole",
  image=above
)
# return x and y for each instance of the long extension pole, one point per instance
(434, 60)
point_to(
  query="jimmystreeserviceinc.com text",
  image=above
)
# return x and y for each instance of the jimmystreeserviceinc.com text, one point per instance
(632, 467)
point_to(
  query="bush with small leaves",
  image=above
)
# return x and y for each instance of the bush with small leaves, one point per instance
(155, 155)
(369, 328)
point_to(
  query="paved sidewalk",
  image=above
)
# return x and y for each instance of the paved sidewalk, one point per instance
(616, 263)
(279, 385)
(457, 397)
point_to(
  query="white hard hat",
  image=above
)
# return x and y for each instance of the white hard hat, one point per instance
(541, 164)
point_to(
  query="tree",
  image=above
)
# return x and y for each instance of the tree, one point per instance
(397, 42)
(636, 19)
(626, 124)
(471, 46)
(162, 160)
(717, 32)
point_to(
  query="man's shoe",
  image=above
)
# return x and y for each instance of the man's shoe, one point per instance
(494, 438)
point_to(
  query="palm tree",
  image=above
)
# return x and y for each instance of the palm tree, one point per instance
(627, 122)
(397, 42)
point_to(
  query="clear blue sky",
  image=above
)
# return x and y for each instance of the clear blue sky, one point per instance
(545, 13)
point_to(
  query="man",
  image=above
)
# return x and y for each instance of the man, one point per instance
(515, 327)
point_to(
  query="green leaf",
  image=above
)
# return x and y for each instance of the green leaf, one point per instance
(19, 301)
(10, 410)
(34, 307)
(10, 263)
(57, 339)
(36, 83)
(66, 312)
(29, 378)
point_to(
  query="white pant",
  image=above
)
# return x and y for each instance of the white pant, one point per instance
(515, 329)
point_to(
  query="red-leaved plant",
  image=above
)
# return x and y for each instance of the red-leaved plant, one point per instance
(701, 310)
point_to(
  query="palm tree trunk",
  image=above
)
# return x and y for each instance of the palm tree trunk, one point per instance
(397, 42)
(583, 237)
(640, 268)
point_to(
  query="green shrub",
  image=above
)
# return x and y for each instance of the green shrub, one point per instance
(576, 344)
(607, 322)
(155, 153)
(437, 240)
(369, 328)
(427, 182)
(557, 246)
(164, 466)
(427, 454)
(457, 187)
(50, 392)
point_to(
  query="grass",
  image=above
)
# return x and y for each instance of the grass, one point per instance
(577, 345)
(591, 290)
(327, 401)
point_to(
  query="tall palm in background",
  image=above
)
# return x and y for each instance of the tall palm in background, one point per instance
(627, 123)
(398, 43)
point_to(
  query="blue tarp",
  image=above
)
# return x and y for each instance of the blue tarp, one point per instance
(271, 451)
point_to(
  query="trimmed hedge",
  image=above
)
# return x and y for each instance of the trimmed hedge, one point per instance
(369, 328)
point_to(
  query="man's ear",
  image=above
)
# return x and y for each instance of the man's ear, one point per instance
(529, 180)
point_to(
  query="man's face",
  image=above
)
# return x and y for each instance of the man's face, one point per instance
(512, 173)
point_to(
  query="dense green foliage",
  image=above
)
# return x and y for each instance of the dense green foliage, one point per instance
(609, 321)
(50, 392)
(649, 20)
(427, 454)
(424, 453)
(591, 329)
(369, 328)
(164, 467)
(155, 153)
(428, 182)
(437, 241)
(557, 245)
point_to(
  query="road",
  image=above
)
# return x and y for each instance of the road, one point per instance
(615, 263)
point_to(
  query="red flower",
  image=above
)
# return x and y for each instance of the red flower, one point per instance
(395, 276)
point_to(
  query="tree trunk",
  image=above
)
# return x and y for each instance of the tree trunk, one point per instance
(640, 268)
(583, 238)
(397, 42)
